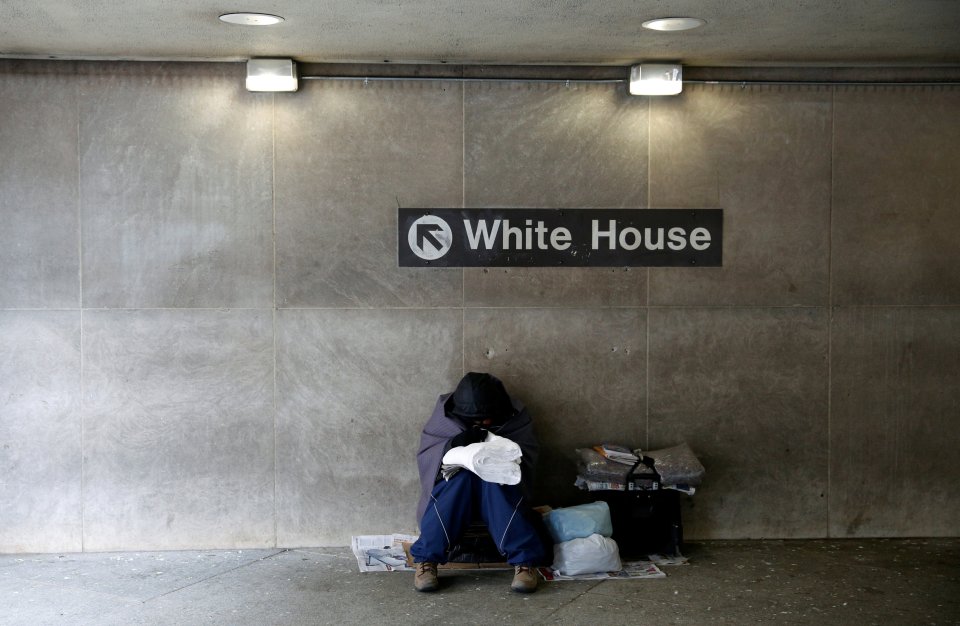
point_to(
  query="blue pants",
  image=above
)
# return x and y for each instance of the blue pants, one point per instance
(456, 502)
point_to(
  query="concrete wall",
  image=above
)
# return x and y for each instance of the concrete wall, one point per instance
(205, 340)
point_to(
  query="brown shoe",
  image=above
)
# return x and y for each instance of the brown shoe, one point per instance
(524, 579)
(425, 578)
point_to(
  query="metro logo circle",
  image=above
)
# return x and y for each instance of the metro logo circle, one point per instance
(430, 237)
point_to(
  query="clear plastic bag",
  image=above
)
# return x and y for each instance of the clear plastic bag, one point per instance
(576, 522)
(587, 555)
(594, 466)
(678, 465)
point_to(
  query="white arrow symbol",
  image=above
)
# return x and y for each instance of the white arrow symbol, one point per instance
(430, 237)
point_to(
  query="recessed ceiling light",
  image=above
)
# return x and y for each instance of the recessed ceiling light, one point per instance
(251, 19)
(674, 23)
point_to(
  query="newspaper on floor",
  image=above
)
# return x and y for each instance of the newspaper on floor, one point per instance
(631, 570)
(381, 553)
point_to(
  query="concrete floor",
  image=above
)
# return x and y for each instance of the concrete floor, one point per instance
(783, 582)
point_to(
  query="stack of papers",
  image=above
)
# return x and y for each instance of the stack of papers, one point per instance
(618, 453)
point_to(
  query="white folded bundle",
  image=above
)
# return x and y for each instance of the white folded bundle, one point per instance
(495, 460)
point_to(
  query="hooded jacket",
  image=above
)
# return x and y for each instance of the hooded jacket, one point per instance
(440, 429)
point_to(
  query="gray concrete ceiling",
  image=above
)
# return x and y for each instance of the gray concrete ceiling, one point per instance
(553, 32)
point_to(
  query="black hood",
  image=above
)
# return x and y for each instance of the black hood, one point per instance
(480, 396)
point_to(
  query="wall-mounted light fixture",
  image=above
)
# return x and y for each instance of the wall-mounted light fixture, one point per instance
(656, 79)
(271, 75)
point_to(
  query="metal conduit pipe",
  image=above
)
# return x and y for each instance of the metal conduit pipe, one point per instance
(595, 81)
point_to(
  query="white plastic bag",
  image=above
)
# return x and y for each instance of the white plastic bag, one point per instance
(495, 460)
(576, 522)
(587, 555)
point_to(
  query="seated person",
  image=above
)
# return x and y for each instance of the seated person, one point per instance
(479, 404)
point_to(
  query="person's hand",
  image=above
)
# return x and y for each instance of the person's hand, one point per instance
(468, 436)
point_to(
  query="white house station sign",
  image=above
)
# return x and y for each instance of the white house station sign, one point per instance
(560, 237)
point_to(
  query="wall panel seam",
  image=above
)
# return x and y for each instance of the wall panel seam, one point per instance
(833, 143)
(179, 308)
(80, 303)
(646, 434)
(273, 198)
(24, 310)
(463, 204)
